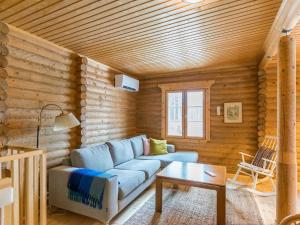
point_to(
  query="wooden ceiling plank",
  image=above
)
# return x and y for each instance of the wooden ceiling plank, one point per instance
(16, 8)
(188, 39)
(23, 14)
(124, 27)
(100, 18)
(181, 48)
(187, 60)
(199, 53)
(135, 42)
(151, 37)
(202, 35)
(158, 6)
(85, 13)
(6, 4)
(130, 19)
(117, 17)
(215, 20)
(46, 14)
(225, 50)
(187, 56)
(161, 67)
(196, 49)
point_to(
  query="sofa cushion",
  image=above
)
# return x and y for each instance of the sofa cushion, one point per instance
(182, 156)
(146, 143)
(147, 166)
(95, 157)
(171, 148)
(128, 180)
(137, 145)
(158, 147)
(121, 151)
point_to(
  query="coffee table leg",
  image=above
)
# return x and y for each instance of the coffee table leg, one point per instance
(158, 193)
(221, 206)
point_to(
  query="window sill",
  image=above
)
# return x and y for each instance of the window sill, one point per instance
(188, 140)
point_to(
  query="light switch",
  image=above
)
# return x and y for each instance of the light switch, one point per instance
(218, 111)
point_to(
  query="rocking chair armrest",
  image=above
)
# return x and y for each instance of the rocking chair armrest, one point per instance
(268, 160)
(242, 153)
(245, 154)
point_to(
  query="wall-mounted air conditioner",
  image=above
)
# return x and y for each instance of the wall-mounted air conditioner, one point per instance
(125, 82)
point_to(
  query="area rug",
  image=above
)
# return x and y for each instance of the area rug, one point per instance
(198, 207)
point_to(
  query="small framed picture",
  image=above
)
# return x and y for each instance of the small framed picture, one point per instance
(233, 112)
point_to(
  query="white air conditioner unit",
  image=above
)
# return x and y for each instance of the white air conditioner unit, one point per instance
(125, 82)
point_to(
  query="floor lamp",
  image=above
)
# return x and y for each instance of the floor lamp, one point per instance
(63, 121)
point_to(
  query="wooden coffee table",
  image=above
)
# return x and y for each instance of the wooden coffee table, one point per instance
(192, 174)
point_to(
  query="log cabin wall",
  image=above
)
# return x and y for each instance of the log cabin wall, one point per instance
(261, 120)
(38, 72)
(236, 84)
(107, 113)
(3, 80)
(271, 103)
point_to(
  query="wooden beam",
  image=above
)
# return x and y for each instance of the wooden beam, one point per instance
(286, 201)
(286, 19)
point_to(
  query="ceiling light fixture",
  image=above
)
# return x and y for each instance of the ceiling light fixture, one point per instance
(191, 1)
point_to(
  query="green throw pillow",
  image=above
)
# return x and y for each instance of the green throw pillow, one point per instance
(158, 147)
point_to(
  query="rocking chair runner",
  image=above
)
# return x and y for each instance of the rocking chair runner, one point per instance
(262, 164)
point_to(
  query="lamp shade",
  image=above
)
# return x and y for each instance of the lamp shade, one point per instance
(65, 121)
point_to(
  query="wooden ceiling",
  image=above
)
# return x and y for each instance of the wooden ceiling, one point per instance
(143, 37)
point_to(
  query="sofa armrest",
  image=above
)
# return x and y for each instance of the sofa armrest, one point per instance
(58, 195)
(171, 148)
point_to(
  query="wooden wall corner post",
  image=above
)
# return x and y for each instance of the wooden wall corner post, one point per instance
(286, 125)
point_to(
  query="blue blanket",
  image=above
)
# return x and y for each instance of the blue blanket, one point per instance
(87, 186)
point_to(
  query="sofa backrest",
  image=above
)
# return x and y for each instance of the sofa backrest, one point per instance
(137, 145)
(95, 157)
(121, 151)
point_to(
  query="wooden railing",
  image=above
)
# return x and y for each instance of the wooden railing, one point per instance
(25, 171)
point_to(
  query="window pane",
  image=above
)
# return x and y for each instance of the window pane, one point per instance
(175, 113)
(195, 114)
(195, 129)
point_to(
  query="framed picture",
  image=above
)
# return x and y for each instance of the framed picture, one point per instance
(233, 112)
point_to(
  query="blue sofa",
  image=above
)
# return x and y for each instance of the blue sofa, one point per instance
(123, 158)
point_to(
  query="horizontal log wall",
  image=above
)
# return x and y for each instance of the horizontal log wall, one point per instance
(106, 112)
(4, 29)
(261, 120)
(35, 72)
(227, 140)
(271, 104)
(40, 73)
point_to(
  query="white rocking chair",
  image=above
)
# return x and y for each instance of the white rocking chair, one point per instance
(263, 165)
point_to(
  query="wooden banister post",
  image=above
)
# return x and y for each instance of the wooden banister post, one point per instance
(286, 125)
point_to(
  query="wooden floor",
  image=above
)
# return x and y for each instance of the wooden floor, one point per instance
(60, 217)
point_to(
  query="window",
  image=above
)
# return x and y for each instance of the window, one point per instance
(186, 110)
(195, 113)
(175, 113)
(185, 115)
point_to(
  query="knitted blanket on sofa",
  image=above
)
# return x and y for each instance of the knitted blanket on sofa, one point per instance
(87, 186)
